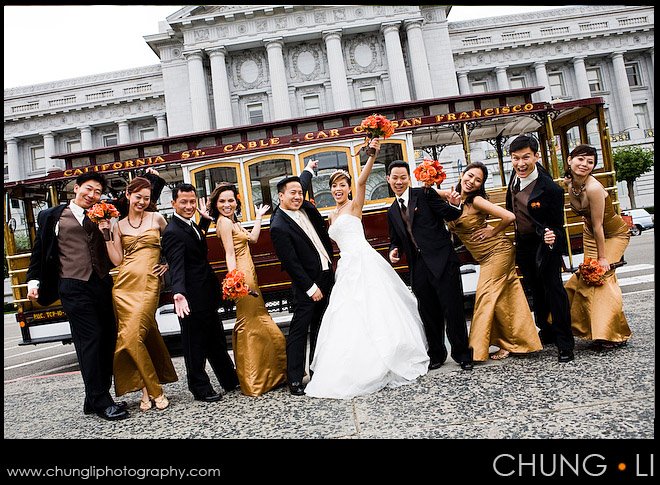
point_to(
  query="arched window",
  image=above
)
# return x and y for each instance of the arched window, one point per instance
(378, 190)
(330, 159)
(263, 174)
(206, 178)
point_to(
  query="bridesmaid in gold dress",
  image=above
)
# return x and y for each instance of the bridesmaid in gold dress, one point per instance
(142, 360)
(596, 311)
(501, 313)
(258, 343)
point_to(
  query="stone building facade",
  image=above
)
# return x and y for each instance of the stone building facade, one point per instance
(236, 65)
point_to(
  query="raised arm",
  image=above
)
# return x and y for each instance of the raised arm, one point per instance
(358, 199)
(223, 230)
(260, 210)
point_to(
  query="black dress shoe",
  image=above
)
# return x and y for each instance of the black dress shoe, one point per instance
(214, 397)
(297, 389)
(566, 356)
(435, 365)
(468, 365)
(87, 408)
(113, 413)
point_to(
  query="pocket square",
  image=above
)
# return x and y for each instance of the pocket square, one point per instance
(535, 205)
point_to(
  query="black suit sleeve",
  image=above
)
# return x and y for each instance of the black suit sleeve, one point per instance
(36, 259)
(442, 208)
(174, 250)
(157, 185)
(306, 182)
(395, 242)
(284, 248)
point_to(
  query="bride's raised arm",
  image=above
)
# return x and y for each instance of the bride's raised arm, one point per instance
(358, 200)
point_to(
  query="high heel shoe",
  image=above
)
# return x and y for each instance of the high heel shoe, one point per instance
(161, 402)
(145, 405)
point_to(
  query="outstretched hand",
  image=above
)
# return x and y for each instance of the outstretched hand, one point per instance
(261, 209)
(454, 198)
(152, 170)
(202, 208)
(312, 165)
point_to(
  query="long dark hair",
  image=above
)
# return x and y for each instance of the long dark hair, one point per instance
(212, 204)
(482, 190)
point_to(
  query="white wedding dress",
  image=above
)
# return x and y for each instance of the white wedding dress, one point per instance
(371, 335)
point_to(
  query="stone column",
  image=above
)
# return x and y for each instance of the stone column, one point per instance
(161, 123)
(395, 64)
(221, 96)
(278, 86)
(201, 118)
(418, 61)
(49, 151)
(542, 80)
(581, 78)
(124, 132)
(502, 78)
(341, 98)
(623, 97)
(12, 158)
(463, 83)
(86, 142)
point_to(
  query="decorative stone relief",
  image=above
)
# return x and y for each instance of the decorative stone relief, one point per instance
(222, 32)
(305, 62)
(363, 54)
(248, 69)
(281, 22)
(262, 26)
(300, 20)
(241, 29)
(319, 17)
(201, 35)
(359, 12)
(379, 10)
(339, 13)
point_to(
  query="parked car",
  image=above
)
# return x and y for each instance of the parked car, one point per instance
(639, 221)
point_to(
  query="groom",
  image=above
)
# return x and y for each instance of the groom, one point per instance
(300, 237)
(417, 227)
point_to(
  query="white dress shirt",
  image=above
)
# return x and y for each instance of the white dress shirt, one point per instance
(190, 223)
(524, 182)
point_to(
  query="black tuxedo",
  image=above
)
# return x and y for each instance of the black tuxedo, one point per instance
(88, 305)
(202, 334)
(301, 260)
(541, 265)
(434, 270)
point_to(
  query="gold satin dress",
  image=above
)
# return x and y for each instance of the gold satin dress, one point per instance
(501, 313)
(141, 357)
(259, 345)
(597, 311)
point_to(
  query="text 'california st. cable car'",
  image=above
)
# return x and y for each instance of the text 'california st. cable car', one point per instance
(256, 157)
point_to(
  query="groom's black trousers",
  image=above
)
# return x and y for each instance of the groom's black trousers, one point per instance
(440, 300)
(307, 315)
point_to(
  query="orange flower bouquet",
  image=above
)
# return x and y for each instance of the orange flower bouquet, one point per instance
(376, 126)
(593, 273)
(430, 173)
(102, 211)
(234, 287)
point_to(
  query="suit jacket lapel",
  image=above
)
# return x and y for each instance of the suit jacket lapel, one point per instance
(187, 228)
(398, 220)
(297, 229)
(412, 203)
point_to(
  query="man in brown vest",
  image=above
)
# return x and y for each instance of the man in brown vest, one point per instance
(70, 262)
(538, 203)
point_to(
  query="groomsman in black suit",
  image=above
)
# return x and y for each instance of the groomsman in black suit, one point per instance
(538, 203)
(70, 261)
(300, 237)
(416, 221)
(197, 296)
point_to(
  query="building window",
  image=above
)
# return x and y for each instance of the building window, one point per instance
(255, 113)
(595, 80)
(147, 134)
(312, 105)
(73, 146)
(634, 76)
(479, 87)
(556, 80)
(38, 156)
(368, 97)
(517, 83)
(642, 115)
(110, 140)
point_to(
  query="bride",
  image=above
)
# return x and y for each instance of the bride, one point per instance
(371, 335)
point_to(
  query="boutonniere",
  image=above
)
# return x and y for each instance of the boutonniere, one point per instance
(535, 205)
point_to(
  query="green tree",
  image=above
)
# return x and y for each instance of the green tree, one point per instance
(630, 163)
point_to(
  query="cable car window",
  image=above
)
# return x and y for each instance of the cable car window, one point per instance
(264, 176)
(328, 163)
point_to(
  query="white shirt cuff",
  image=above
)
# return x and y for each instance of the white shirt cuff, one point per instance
(455, 206)
(309, 170)
(312, 290)
(32, 284)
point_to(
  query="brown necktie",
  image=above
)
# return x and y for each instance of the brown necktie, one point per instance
(406, 221)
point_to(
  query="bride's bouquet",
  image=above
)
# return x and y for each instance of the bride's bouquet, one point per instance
(376, 126)
(234, 287)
